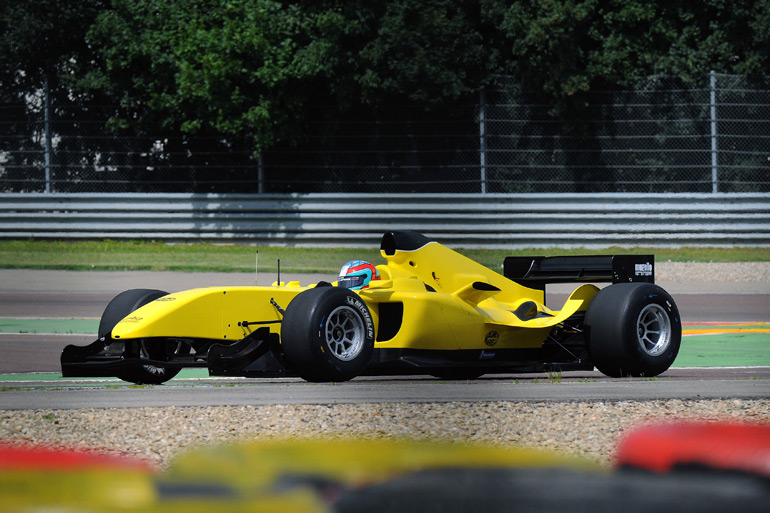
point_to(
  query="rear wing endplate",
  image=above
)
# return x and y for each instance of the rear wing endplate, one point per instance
(537, 272)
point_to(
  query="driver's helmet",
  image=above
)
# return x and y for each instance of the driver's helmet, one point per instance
(357, 274)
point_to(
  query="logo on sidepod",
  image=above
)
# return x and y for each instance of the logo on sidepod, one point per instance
(491, 338)
(643, 269)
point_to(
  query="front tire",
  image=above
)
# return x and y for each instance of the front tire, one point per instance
(327, 334)
(633, 329)
(124, 304)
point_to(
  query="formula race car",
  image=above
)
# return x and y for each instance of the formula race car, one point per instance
(428, 310)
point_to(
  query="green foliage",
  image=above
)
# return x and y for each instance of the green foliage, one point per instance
(253, 68)
(230, 67)
(566, 48)
(430, 53)
(42, 38)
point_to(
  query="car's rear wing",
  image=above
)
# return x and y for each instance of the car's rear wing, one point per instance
(537, 272)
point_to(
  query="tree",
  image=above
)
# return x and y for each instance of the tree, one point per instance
(565, 48)
(232, 67)
(43, 47)
(429, 53)
(247, 73)
(42, 40)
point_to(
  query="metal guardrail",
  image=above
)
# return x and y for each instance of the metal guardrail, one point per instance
(349, 220)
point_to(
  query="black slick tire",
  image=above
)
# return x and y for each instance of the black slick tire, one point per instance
(633, 329)
(125, 303)
(327, 334)
(121, 306)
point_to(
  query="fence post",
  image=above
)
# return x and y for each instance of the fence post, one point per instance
(482, 141)
(260, 174)
(714, 149)
(47, 129)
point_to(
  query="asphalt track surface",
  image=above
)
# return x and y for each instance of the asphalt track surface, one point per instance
(53, 294)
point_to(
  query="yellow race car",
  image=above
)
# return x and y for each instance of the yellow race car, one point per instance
(427, 310)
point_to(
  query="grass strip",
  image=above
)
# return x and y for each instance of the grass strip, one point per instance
(111, 255)
(57, 326)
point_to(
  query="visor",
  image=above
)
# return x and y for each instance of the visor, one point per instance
(350, 282)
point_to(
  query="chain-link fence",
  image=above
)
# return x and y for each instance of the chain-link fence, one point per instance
(662, 136)
(659, 137)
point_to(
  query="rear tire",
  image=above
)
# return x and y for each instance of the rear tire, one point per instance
(327, 334)
(633, 329)
(122, 305)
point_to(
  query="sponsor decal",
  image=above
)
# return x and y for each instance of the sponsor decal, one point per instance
(491, 338)
(644, 269)
(132, 319)
(361, 307)
(486, 355)
(166, 298)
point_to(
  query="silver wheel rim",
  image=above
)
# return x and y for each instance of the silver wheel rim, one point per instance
(653, 330)
(345, 333)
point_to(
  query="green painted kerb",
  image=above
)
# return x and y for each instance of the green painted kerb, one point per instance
(58, 326)
(725, 350)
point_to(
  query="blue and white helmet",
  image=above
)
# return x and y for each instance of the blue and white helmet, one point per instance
(357, 274)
